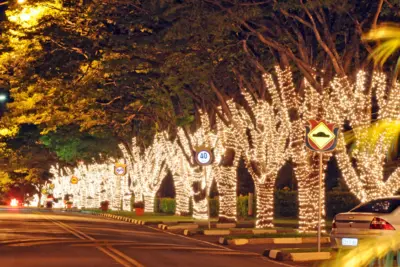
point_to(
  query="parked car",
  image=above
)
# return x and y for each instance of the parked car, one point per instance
(368, 220)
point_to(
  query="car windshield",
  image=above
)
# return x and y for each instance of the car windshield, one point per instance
(378, 206)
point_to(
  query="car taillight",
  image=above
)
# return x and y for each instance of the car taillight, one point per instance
(381, 224)
(334, 224)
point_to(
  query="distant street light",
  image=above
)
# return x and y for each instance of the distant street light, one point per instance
(3, 98)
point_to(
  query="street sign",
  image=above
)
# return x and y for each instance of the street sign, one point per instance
(120, 169)
(321, 136)
(74, 180)
(203, 156)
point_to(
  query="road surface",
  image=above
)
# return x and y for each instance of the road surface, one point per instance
(36, 239)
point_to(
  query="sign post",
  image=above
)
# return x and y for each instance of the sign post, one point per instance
(321, 137)
(204, 157)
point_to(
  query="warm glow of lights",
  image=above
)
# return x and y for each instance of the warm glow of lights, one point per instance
(14, 202)
(29, 16)
(270, 149)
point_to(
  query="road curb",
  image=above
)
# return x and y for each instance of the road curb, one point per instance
(274, 240)
(280, 255)
(120, 218)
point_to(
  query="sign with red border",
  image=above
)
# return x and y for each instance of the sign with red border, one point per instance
(321, 136)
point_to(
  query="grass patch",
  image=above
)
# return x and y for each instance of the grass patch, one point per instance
(267, 235)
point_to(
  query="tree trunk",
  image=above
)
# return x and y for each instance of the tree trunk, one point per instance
(40, 197)
(116, 201)
(182, 198)
(226, 182)
(265, 204)
(200, 209)
(149, 203)
(307, 173)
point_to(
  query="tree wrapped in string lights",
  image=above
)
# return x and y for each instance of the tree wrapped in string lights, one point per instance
(182, 176)
(199, 178)
(148, 169)
(133, 168)
(363, 167)
(306, 168)
(269, 149)
(229, 148)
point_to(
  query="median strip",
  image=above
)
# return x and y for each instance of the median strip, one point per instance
(272, 240)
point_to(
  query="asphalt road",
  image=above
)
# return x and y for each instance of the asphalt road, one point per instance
(32, 239)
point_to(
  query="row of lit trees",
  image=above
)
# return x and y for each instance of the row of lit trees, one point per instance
(266, 133)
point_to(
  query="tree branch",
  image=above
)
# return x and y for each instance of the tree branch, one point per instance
(324, 46)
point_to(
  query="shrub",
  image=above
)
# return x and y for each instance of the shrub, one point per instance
(286, 204)
(214, 207)
(337, 202)
(138, 205)
(242, 206)
(167, 205)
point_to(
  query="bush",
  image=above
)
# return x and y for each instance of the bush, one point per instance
(286, 204)
(167, 205)
(214, 207)
(138, 205)
(337, 202)
(242, 203)
(191, 206)
(242, 206)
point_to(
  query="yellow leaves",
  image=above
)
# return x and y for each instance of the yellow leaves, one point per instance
(8, 132)
(30, 16)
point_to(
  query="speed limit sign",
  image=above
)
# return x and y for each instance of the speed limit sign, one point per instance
(204, 156)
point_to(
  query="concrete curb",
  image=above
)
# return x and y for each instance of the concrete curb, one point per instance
(224, 232)
(216, 232)
(296, 256)
(225, 225)
(120, 218)
(273, 240)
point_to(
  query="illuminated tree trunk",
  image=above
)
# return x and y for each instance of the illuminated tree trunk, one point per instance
(181, 196)
(116, 201)
(200, 209)
(265, 204)
(149, 201)
(226, 183)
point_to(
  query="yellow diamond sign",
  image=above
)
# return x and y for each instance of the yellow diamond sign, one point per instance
(321, 135)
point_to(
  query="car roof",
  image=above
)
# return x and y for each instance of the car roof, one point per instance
(381, 198)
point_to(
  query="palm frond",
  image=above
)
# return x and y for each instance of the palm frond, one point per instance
(386, 130)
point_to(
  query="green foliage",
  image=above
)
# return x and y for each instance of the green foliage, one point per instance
(167, 205)
(337, 202)
(286, 204)
(71, 145)
(214, 207)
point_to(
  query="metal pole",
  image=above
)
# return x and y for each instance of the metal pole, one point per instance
(208, 202)
(319, 201)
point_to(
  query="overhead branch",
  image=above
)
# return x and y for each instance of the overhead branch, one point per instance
(324, 46)
(378, 12)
